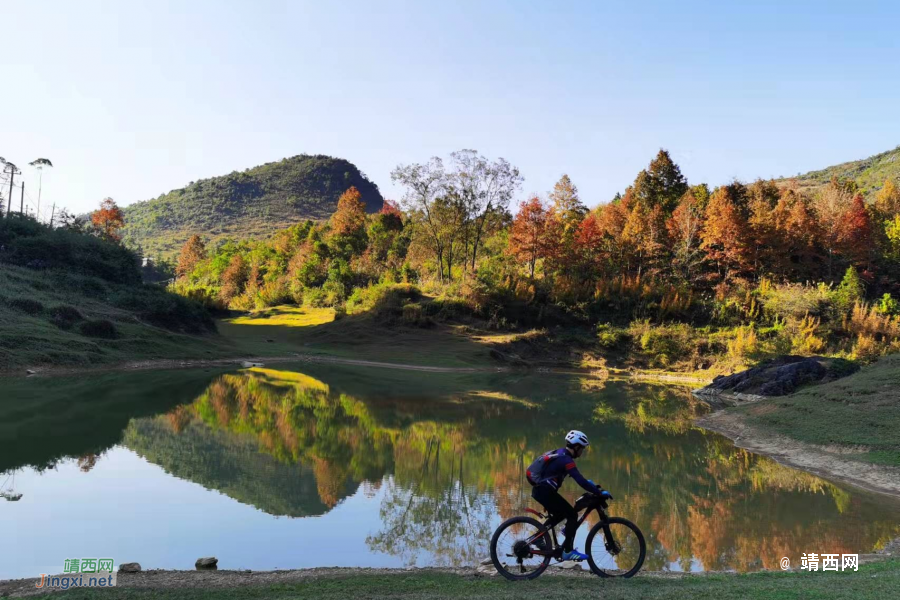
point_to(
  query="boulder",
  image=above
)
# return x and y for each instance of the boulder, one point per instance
(210, 562)
(569, 564)
(130, 568)
(777, 377)
(486, 561)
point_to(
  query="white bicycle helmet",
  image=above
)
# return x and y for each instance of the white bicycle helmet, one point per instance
(576, 437)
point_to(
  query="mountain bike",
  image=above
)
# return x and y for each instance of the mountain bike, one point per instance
(522, 547)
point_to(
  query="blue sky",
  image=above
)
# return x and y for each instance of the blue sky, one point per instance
(131, 99)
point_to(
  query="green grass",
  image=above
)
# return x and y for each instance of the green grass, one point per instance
(30, 337)
(362, 336)
(860, 411)
(875, 581)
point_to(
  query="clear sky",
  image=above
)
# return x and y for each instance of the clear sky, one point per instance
(130, 99)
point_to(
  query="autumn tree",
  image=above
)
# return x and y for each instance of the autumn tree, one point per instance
(193, 252)
(797, 235)
(831, 205)
(684, 227)
(350, 217)
(887, 201)
(108, 220)
(855, 240)
(590, 245)
(566, 205)
(528, 235)
(724, 233)
(234, 278)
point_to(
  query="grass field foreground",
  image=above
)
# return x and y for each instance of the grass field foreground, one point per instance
(875, 581)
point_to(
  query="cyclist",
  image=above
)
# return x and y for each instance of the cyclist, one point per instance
(547, 473)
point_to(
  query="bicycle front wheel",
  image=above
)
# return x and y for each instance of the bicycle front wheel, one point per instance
(513, 546)
(616, 548)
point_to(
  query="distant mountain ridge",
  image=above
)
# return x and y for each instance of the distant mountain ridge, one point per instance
(250, 204)
(868, 173)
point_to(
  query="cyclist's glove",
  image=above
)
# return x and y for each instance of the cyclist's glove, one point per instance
(606, 495)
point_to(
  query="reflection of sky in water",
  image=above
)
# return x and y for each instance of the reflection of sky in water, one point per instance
(132, 511)
(424, 480)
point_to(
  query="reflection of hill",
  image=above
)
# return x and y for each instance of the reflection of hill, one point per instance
(230, 464)
(451, 459)
(43, 420)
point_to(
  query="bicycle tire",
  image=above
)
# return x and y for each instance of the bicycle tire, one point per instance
(641, 544)
(496, 560)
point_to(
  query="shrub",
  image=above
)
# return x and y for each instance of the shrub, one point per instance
(414, 315)
(794, 300)
(64, 316)
(100, 328)
(744, 345)
(35, 246)
(805, 339)
(610, 337)
(27, 306)
(314, 298)
(664, 344)
(175, 313)
(272, 293)
(888, 306)
(866, 348)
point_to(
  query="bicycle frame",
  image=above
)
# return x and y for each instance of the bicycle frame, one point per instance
(551, 522)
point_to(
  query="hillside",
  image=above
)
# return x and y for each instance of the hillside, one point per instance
(869, 173)
(68, 298)
(250, 204)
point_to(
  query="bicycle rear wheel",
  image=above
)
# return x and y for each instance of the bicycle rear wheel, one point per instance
(512, 554)
(616, 548)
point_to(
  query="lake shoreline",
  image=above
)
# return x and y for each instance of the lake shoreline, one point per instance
(646, 375)
(800, 455)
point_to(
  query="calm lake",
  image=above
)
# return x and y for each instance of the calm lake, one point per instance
(314, 465)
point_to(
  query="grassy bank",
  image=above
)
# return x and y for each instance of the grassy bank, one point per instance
(857, 417)
(52, 317)
(874, 581)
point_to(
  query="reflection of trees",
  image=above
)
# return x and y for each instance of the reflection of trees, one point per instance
(452, 465)
(433, 508)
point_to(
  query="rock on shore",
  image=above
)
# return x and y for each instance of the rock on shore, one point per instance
(776, 377)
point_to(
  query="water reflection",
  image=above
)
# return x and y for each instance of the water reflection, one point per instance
(444, 457)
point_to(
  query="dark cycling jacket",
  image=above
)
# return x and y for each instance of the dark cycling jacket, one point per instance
(558, 464)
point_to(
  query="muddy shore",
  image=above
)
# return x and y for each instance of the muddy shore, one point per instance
(831, 463)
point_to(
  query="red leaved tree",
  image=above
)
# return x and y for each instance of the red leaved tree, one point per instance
(108, 220)
(528, 237)
(724, 234)
(350, 217)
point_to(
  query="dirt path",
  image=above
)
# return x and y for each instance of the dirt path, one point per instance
(807, 457)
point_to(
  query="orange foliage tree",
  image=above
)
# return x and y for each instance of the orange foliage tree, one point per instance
(528, 239)
(193, 251)
(350, 217)
(108, 219)
(724, 233)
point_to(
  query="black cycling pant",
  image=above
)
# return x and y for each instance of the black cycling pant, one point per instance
(560, 508)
